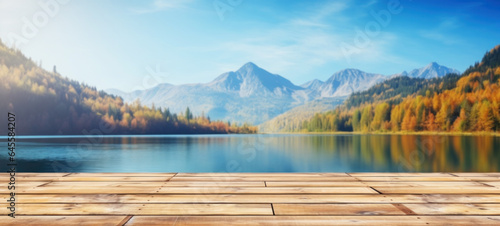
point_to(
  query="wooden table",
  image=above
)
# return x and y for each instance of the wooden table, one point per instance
(253, 198)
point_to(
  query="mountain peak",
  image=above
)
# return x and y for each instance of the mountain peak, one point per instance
(251, 68)
(313, 84)
(433, 64)
(432, 70)
(250, 80)
(249, 65)
(350, 70)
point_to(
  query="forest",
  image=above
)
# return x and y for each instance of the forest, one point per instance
(46, 103)
(454, 103)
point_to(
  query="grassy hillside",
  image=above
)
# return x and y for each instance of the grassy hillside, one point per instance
(46, 103)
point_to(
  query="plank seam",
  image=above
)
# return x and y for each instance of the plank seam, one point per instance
(67, 174)
(453, 175)
(125, 220)
(265, 184)
(404, 209)
(484, 183)
(41, 185)
(376, 190)
(272, 208)
(165, 183)
(171, 177)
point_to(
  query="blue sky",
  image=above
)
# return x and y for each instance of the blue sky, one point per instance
(137, 44)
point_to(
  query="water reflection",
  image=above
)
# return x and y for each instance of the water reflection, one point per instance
(260, 153)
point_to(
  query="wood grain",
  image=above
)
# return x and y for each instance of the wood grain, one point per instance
(315, 220)
(336, 209)
(253, 198)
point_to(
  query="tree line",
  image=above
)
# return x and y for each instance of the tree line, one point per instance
(47, 103)
(467, 103)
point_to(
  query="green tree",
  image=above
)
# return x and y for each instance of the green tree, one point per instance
(443, 117)
(188, 115)
(356, 117)
(366, 118)
(380, 116)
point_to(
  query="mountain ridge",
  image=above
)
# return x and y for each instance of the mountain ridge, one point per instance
(252, 94)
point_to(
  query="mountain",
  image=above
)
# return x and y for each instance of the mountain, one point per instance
(251, 80)
(46, 103)
(469, 102)
(313, 84)
(432, 70)
(292, 120)
(348, 81)
(252, 94)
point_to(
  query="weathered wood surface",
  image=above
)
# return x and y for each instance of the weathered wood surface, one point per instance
(253, 198)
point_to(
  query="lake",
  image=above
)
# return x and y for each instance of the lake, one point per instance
(257, 153)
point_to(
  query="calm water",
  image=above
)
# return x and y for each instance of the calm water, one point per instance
(257, 153)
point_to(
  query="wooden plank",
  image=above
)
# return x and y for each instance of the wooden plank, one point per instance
(157, 184)
(314, 184)
(89, 190)
(426, 184)
(400, 175)
(249, 198)
(107, 184)
(490, 174)
(61, 220)
(20, 186)
(28, 179)
(438, 190)
(110, 178)
(314, 220)
(395, 179)
(455, 209)
(40, 174)
(196, 190)
(121, 175)
(268, 190)
(144, 209)
(494, 183)
(262, 174)
(214, 184)
(26, 184)
(68, 178)
(336, 209)
(264, 178)
(484, 179)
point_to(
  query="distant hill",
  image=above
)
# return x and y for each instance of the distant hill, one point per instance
(469, 102)
(432, 70)
(292, 120)
(45, 103)
(250, 94)
(359, 87)
(347, 81)
(254, 95)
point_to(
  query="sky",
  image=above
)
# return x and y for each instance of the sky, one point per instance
(130, 45)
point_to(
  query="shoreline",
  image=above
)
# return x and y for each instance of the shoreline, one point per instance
(397, 133)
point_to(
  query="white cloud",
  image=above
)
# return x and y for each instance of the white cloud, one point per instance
(308, 23)
(163, 5)
(330, 8)
(443, 32)
(316, 16)
(304, 43)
